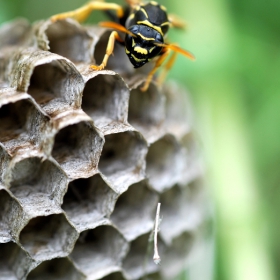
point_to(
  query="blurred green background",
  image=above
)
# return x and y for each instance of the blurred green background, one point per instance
(235, 86)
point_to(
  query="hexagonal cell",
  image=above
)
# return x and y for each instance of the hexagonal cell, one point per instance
(105, 99)
(14, 262)
(51, 80)
(193, 159)
(139, 261)
(89, 202)
(176, 257)
(21, 125)
(69, 39)
(48, 84)
(47, 237)
(178, 110)
(99, 252)
(164, 163)
(77, 148)
(15, 32)
(123, 159)
(37, 182)
(180, 212)
(13, 118)
(147, 112)
(197, 190)
(56, 269)
(134, 212)
(11, 214)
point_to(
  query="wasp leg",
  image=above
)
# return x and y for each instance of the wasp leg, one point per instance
(109, 50)
(83, 13)
(166, 68)
(176, 21)
(159, 62)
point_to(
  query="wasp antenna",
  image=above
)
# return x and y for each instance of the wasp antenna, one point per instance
(116, 26)
(177, 22)
(176, 48)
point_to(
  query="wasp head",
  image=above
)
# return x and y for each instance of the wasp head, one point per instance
(140, 47)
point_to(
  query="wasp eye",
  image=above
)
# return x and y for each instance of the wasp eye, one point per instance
(158, 38)
(134, 29)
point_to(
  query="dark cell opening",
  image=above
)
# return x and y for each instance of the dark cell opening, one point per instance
(13, 118)
(48, 82)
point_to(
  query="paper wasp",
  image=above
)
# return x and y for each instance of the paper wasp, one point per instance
(145, 26)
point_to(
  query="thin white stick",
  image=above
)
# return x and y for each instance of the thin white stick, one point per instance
(156, 257)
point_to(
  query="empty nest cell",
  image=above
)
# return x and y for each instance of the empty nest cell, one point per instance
(21, 125)
(179, 213)
(139, 260)
(89, 202)
(36, 181)
(123, 159)
(105, 100)
(14, 262)
(56, 269)
(164, 163)
(69, 39)
(99, 252)
(135, 211)
(147, 111)
(13, 118)
(47, 237)
(77, 149)
(56, 86)
(177, 255)
(10, 216)
(193, 162)
(16, 32)
(178, 110)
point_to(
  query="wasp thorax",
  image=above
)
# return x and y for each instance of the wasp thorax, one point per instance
(141, 47)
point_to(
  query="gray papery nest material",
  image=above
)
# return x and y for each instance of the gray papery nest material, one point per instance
(85, 157)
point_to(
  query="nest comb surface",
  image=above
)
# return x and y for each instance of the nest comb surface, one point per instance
(85, 157)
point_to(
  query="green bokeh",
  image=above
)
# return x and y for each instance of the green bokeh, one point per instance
(235, 86)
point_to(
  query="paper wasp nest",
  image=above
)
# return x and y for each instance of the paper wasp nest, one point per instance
(85, 157)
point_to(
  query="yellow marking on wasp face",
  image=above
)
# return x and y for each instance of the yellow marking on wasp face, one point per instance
(146, 22)
(145, 38)
(165, 23)
(127, 51)
(137, 59)
(151, 49)
(144, 12)
(163, 8)
(154, 3)
(133, 43)
(141, 50)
